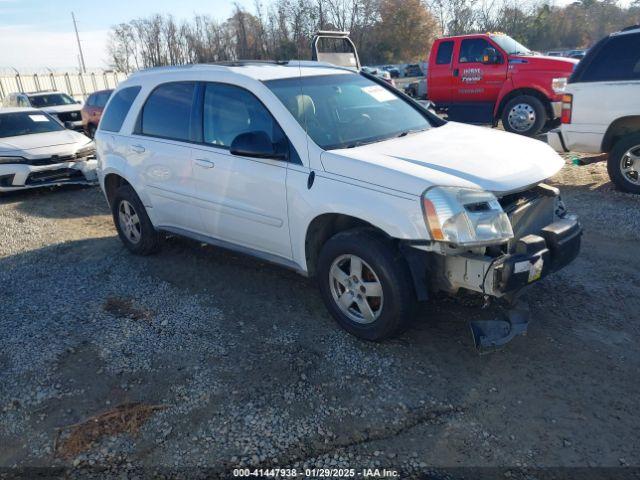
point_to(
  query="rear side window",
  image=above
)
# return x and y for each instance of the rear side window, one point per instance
(101, 99)
(618, 59)
(472, 50)
(118, 109)
(167, 112)
(445, 50)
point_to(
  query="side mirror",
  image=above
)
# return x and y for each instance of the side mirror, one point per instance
(256, 145)
(490, 56)
(69, 125)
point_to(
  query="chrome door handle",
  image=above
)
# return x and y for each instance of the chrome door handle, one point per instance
(138, 148)
(201, 162)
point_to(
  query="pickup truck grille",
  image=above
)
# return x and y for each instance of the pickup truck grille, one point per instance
(69, 116)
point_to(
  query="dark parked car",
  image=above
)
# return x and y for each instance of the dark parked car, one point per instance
(413, 70)
(393, 71)
(92, 111)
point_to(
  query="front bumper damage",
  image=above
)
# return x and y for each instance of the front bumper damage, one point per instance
(24, 176)
(546, 240)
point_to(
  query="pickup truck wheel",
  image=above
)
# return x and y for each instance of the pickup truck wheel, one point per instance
(132, 222)
(624, 163)
(525, 115)
(365, 284)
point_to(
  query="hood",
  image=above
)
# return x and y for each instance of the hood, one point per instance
(452, 155)
(542, 62)
(43, 143)
(76, 107)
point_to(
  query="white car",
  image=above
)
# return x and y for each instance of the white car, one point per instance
(36, 151)
(332, 173)
(58, 104)
(601, 107)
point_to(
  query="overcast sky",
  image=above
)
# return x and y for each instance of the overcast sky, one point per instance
(35, 34)
(39, 33)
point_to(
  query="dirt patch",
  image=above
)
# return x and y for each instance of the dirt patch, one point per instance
(124, 308)
(126, 418)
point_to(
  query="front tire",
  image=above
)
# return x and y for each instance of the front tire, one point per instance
(365, 284)
(624, 164)
(132, 222)
(524, 115)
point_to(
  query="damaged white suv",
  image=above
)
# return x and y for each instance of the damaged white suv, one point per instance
(337, 175)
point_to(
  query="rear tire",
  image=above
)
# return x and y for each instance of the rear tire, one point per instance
(624, 164)
(524, 115)
(380, 302)
(132, 222)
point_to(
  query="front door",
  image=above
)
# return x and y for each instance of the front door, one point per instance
(476, 85)
(241, 200)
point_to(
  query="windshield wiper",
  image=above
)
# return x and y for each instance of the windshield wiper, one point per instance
(411, 131)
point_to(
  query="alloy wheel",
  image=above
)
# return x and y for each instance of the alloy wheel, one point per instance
(356, 289)
(630, 165)
(129, 222)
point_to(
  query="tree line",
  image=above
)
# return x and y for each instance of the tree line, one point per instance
(385, 31)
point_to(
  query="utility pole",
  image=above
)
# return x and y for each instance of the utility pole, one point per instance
(75, 26)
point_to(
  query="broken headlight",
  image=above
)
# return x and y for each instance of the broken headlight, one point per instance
(87, 151)
(465, 217)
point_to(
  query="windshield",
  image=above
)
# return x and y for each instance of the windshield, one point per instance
(510, 46)
(26, 123)
(54, 99)
(347, 110)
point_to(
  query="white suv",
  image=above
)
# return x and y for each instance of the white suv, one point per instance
(601, 107)
(337, 175)
(57, 104)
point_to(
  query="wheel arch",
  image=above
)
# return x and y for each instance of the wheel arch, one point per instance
(619, 128)
(325, 226)
(113, 181)
(539, 94)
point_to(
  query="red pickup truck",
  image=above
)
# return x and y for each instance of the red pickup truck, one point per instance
(485, 78)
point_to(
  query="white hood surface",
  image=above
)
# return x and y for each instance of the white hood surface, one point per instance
(451, 155)
(49, 143)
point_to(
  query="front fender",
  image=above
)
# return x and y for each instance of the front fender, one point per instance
(398, 215)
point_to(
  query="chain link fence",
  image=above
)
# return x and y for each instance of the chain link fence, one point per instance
(78, 85)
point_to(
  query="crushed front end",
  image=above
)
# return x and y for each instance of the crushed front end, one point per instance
(544, 239)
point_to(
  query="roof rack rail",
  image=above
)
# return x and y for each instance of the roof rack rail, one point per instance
(242, 63)
(632, 27)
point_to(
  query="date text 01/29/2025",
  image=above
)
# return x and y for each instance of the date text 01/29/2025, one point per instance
(315, 473)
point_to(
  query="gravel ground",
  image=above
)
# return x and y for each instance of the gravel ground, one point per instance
(247, 368)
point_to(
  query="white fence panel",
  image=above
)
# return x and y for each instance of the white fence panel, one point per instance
(79, 86)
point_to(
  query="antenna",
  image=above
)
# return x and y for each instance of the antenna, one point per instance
(75, 26)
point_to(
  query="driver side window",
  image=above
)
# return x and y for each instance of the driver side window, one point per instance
(472, 50)
(230, 111)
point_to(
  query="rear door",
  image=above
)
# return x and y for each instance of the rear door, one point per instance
(160, 154)
(241, 200)
(475, 83)
(440, 84)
